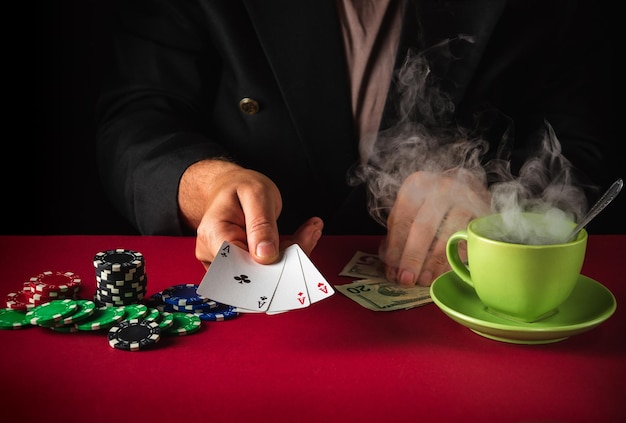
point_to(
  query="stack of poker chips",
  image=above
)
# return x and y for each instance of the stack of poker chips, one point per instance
(121, 278)
(43, 288)
(184, 298)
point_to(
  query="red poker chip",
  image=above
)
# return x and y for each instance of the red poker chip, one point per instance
(58, 282)
(50, 295)
(38, 299)
(17, 301)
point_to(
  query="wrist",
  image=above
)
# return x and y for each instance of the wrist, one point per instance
(195, 185)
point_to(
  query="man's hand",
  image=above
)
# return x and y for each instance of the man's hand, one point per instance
(226, 202)
(428, 209)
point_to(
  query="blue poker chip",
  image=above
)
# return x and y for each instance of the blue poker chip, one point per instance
(195, 308)
(183, 295)
(219, 314)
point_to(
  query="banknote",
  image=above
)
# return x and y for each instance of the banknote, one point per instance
(364, 265)
(373, 291)
(383, 295)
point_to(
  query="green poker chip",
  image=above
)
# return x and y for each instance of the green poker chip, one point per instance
(184, 324)
(102, 318)
(152, 315)
(13, 319)
(85, 309)
(49, 313)
(166, 320)
(135, 311)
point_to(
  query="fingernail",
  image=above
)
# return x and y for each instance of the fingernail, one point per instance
(265, 249)
(316, 235)
(406, 277)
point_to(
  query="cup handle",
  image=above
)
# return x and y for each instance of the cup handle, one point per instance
(452, 252)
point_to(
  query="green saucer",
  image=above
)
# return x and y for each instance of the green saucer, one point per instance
(589, 304)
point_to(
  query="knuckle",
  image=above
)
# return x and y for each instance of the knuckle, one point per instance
(259, 225)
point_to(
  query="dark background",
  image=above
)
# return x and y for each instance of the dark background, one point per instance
(56, 188)
(49, 177)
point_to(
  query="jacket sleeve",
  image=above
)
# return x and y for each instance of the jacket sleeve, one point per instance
(150, 109)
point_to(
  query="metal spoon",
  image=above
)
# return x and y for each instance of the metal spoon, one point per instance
(604, 201)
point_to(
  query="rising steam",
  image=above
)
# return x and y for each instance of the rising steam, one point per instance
(425, 138)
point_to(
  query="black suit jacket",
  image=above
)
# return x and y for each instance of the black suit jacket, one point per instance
(181, 67)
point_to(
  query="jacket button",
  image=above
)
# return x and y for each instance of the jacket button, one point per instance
(249, 106)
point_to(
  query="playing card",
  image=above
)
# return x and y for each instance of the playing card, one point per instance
(317, 286)
(291, 292)
(234, 278)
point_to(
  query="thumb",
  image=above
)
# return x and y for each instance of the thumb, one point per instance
(261, 226)
(263, 239)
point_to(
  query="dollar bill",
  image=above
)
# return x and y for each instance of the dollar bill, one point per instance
(383, 295)
(374, 291)
(364, 265)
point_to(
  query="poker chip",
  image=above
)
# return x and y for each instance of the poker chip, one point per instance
(134, 335)
(102, 318)
(51, 312)
(115, 301)
(193, 308)
(210, 311)
(13, 319)
(166, 320)
(183, 295)
(17, 301)
(120, 287)
(52, 283)
(127, 296)
(184, 324)
(85, 309)
(135, 311)
(43, 288)
(121, 278)
(152, 314)
(219, 314)
(119, 305)
(36, 298)
(118, 260)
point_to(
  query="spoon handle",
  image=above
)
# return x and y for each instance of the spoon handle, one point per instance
(604, 201)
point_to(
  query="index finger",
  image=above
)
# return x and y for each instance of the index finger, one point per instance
(419, 241)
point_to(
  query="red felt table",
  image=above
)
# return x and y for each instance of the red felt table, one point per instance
(332, 362)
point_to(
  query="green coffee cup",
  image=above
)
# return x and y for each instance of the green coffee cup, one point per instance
(520, 281)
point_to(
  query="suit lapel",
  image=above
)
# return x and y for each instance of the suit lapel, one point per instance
(303, 44)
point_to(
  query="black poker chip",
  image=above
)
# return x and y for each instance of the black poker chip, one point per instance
(118, 260)
(108, 291)
(134, 335)
(116, 300)
(121, 277)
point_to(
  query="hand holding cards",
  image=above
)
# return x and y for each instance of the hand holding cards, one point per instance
(234, 278)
